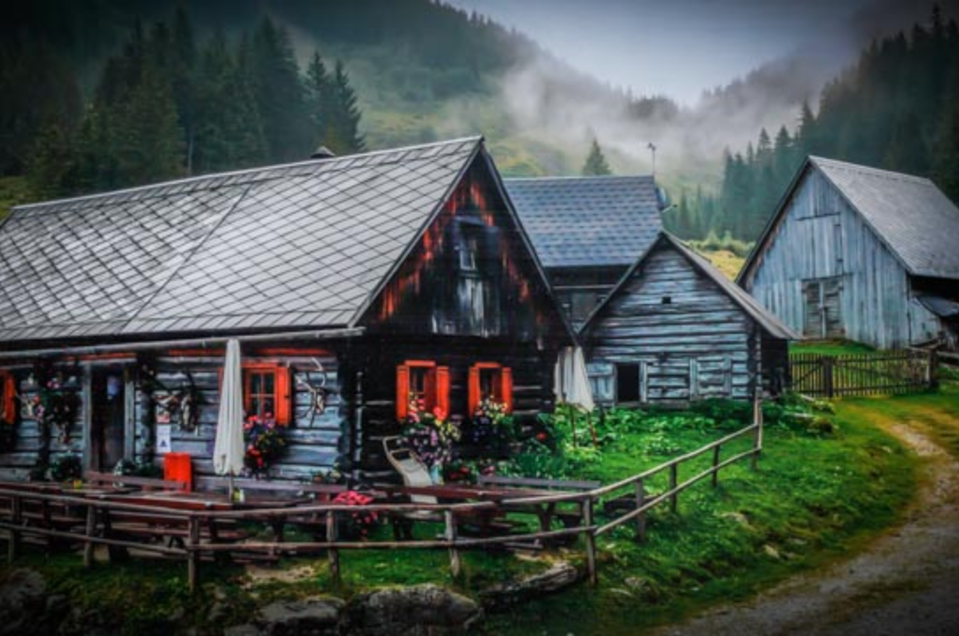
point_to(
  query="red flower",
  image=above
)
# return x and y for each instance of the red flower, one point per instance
(542, 436)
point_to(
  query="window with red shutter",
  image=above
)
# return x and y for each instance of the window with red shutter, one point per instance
(490, 380)
(267, 392)
(424, 382)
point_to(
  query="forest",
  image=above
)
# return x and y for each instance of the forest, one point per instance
(897, 108)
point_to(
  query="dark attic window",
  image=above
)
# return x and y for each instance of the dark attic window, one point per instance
(667, 300)
(627, 383)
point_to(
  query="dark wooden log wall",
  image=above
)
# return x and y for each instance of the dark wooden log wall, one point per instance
(532, 383)
(699, 327)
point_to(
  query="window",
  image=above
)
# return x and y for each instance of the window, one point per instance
(667, 300)
(489, 380)
(627, 383)
(422, 380)
(8, 398)
(267, 392)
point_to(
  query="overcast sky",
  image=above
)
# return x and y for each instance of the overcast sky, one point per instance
(681, 47)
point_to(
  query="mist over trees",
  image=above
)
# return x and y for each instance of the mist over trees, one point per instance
(596, 164)
(896, 109)
(166, 106)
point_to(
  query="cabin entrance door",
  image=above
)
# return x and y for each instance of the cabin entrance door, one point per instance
(109, 418)
(822, 308)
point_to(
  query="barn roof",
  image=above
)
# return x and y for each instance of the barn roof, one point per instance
(918, 223)
(588, 221)
(769, 323)
(299, 245)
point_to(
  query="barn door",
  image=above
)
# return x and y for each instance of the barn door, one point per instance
(822, 308)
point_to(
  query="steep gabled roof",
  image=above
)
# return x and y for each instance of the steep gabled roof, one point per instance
(588, 221)
(918, 223)
(769, 323)
(299, 245)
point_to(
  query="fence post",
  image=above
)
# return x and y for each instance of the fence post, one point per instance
(641, 517)
(193, 554)
(758, 421)
(90, 547)
(455, 564)
(673, 498)
(332, 554)
(827, 376)
(590, 540)
(15, 514)
(933, 362)
(716, 466)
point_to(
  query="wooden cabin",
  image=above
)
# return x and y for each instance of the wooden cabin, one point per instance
(859, 253)
(350, 283)
(675, 330)
(587, 231)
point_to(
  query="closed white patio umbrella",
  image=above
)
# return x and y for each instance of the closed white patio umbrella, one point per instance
(571, 384)
(229, 448)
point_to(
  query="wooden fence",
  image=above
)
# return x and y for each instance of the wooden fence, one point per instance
(95, 520)
(859, 374)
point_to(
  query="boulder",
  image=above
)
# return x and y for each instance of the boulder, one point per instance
(559, 576)
(420, 610)
(318, 616)
(25, 608)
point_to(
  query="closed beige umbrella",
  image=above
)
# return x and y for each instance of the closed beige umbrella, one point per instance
(229, 448)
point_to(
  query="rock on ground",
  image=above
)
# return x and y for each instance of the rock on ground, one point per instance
(421, 610)
(25, 607)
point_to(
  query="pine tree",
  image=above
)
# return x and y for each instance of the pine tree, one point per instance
(343, 135)
(52, 167)
(183, 81)
(596, 164)
(319, 95)
(945, 170)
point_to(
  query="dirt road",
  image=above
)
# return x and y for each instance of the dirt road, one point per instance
(907, 582)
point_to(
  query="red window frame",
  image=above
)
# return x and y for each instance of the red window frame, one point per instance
(500, 387)
(8, 397)
(429, 381)
(281, 394)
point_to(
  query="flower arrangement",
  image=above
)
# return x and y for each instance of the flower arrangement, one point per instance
(359, 523)
(54, 405)
(430, 434)
(491, 423)
(264, 443)
(468, 471)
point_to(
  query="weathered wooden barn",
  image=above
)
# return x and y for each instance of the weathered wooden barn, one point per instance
(587, 231)
(675, 330)
(350, 282)
(859, 253)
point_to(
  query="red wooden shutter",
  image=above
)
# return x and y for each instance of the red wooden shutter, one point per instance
(443, 389)
(402, 391)
(8, 409)
(506, 388)
(474, 389)
(283, 396)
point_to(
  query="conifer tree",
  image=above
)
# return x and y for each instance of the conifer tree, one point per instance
(596, 164)
(319, 96)
(343, 135)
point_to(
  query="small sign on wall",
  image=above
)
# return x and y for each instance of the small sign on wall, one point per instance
(164, 439)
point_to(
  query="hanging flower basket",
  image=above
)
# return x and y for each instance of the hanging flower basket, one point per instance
(264, 444)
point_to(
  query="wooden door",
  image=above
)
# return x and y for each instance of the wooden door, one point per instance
(108, 433)
(822, 308)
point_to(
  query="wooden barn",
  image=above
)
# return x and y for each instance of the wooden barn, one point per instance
(587, 231)
(350, 283)
(859, 253)
(675, 330)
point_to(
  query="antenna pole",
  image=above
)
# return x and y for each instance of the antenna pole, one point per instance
(652, 148)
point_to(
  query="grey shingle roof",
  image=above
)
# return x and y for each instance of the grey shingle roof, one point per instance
(770, 323)
(588, 221)
(918, 222)
(299, 245)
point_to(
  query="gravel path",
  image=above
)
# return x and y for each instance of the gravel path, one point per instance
(907, 582)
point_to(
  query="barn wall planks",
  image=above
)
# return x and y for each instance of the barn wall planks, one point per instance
(821, 237)
(695, 342)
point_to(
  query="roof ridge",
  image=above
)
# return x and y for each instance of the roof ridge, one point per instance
(857, 167)
(600, 177)
(244, 171)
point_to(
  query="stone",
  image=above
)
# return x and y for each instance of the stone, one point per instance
(559, 576)
(26, 609)
(314, 616)
(242, 630)
(420, 610)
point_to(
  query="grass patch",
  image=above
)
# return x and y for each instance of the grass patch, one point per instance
(830, 347)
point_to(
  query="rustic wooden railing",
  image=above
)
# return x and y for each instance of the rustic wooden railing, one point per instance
(91, 523)
(861, 374)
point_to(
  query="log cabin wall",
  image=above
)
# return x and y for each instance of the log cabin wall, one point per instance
(677, 335)
(824, 254)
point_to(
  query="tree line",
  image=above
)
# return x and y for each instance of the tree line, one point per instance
(897, 108)
(167, 106)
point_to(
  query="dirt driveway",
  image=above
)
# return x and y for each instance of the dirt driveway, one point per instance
(907, 582)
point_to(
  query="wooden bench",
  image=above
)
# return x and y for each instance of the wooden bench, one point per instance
(146, 484)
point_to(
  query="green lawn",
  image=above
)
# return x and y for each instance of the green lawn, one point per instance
(830, 347)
